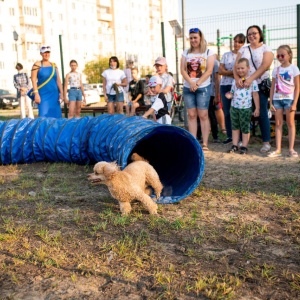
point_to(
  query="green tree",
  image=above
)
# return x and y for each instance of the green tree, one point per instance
(94, 69)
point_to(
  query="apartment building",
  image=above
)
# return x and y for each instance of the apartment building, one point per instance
(86, 29)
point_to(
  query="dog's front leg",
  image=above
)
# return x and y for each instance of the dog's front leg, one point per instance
(125, 208)
(149, 204)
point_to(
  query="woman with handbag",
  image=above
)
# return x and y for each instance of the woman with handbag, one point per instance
(47, 87)
(260, 57)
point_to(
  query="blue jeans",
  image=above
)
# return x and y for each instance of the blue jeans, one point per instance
(264, 122)
(283, 103)
(226, 108)
(75, 95)
(115, 98)
(198, 99)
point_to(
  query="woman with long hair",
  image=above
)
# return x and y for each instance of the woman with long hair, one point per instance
(196, 91)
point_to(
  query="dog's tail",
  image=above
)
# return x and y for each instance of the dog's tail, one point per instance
(136, 157)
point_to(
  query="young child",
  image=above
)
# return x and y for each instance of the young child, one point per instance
(284, 96)
(136, 91)
(159, 106)
(241, 107)
(76, 91)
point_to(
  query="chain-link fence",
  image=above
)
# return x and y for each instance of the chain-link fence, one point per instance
(280, 27)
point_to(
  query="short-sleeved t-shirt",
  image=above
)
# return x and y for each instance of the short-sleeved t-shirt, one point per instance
(242, 97)
(257, 55)
(287, 74)
(228, 60)
(113, 76)
(196, 64)
(157, 105)
(136, 88)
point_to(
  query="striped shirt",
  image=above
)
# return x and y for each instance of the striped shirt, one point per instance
(21, 81)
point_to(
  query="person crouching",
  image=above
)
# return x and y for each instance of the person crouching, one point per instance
(159, 106)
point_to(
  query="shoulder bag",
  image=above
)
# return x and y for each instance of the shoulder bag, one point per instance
(30, 93)
(265, 85)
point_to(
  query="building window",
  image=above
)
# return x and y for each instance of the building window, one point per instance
(14, 47)
(11, 11)
(1, 64)
(75, 36)
(73, 5)
(49, 15)
(0, 28)
(1, 46)
(60, 17)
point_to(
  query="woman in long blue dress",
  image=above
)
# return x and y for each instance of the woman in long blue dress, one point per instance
(49, 95)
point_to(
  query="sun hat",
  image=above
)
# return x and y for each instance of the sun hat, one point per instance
(45, 49)
(154, 81)
(160, 61)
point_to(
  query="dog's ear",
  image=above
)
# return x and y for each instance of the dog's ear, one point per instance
(110, 169)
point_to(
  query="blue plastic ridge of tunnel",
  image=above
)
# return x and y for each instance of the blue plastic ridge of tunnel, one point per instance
(174, 153)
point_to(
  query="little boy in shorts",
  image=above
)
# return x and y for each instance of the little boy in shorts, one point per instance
(159, 106)
(241, 107)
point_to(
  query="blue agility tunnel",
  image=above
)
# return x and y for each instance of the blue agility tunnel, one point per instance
(174, 153)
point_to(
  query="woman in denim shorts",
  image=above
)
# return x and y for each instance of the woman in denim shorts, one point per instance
(76, 91)
(114, 80)
(197, 83)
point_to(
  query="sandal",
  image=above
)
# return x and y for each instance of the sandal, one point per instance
(205, 148)
(265, 148)
(233, 149)
(274, 154)
(293, 153)
(224, 131)
(243, 150)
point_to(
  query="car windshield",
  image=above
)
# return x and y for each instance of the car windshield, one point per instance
(5, 92)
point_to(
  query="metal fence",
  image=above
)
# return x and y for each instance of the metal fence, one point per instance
(280, 27)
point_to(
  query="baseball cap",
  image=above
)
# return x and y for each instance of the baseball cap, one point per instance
(160, 61)
(45, 49)
(154, 81)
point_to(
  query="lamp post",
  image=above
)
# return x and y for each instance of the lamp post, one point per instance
(16, 37)
(178, 33)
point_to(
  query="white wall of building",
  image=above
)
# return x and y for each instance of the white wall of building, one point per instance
(89, 29)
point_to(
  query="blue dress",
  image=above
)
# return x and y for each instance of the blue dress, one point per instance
(49, 94)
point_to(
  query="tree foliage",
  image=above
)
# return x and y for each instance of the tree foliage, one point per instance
(95, 68)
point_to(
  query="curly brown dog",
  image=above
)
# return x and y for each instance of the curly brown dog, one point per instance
(132, 183)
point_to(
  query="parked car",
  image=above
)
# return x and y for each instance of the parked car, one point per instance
(98, 87)
(91, 96)
(8, 99)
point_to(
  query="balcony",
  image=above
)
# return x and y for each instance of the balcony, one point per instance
(106, 3)
(30, 20)
(155, 3)
(104, 16)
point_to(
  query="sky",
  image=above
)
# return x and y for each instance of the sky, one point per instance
(198, 8)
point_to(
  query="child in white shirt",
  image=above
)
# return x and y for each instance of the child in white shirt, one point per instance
(241, 107)
(284, 96)
(159, 106)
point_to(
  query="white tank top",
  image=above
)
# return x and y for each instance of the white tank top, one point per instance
(74, 79)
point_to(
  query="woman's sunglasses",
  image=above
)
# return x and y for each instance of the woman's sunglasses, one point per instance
(280, 56)
(46, 48)
(194, 30)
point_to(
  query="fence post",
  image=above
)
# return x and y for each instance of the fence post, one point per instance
(218, 41)
(298, 50)
(163, 39)
(230, 42)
